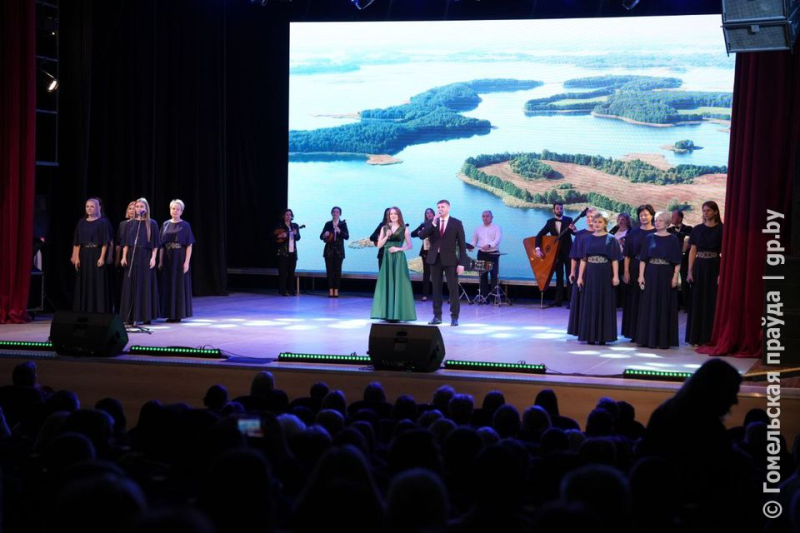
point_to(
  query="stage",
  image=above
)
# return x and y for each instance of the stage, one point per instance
(252, 327)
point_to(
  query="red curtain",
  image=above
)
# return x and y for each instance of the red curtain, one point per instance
(17, 155)
(765, 135)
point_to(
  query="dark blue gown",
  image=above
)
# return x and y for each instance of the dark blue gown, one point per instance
(91, 284)
(700, 319)
(657, 325)
(576, 252)
(598, 316)
(630, 311)
(139, 287)
(119, 272)
(176, 287)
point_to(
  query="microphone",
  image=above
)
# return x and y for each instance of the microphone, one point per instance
(583, 213)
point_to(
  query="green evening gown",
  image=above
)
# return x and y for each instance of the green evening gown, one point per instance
(394, 297)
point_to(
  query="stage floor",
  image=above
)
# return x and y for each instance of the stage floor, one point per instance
(255, 327)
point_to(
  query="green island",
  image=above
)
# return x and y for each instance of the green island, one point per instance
(433, 115)
(531, 167)
(682, 147)
(645, 100)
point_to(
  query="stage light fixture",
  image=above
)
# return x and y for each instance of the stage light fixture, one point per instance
(629, 4)
(362, 4)
(178, 351)
(52, 81)
(352, 359)
(483, 366)
(20, 345)
(655, 375)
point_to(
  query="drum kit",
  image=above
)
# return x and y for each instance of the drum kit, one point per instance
(496, 296)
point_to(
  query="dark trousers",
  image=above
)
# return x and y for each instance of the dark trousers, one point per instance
(286, 266)
(333, 266)
(486, 286)
(562, 276)
(437, 269)
(426, 275)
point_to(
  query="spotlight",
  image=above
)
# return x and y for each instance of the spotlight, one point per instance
(52, 84)
(629, 4)
(362, 4)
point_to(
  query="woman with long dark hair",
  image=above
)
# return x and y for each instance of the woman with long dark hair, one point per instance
(91, 240)
(119, 243)
(423, 253)
(394, 297)
(286, 235)
(139, 251)
(334, 234)
(659, 267)
(620, 233)
(174, 260)
(633, 245)
(705, 247)
(599, 274)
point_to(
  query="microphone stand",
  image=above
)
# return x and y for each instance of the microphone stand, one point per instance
(134, 328)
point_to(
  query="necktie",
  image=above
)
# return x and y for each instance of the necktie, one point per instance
(441, 228)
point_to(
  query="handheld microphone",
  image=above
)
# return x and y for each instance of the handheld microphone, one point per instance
(583, 213)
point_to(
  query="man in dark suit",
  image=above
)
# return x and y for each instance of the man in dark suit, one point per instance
(682, 231)
(448, 255)
(559, 225)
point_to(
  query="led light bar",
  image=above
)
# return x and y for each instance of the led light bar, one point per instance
(524, 368)
(25, 345)
(655, 375)
(289, 357)
(177, 351)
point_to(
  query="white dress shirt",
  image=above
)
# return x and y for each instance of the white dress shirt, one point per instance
(490, 235)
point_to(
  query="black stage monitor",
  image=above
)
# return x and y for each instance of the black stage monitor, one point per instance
(88, 334)
(405, 347)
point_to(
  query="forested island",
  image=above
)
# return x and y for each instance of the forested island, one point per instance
(516, 175)
(646, 100)
(682, 147)
(429, 116)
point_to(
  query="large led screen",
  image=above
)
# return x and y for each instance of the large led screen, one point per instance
(507, 116)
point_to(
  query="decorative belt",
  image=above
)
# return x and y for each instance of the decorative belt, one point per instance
(90, 245)
(597, 259)
(707, 255)
(657, 261)
(173, 245)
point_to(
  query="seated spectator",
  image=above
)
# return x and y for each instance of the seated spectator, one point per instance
(547, 400)
(264, 397)
(535, 421)
(375, 399)
(216, 397)
(460, 409)
(485, 414)
(417, 503)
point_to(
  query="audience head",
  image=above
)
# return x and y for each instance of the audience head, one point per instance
(216, 397)
(417, 502)
(374, 393)
(405, 408)
(493, 401)
(263, 384)
(603, 490)
(460, 408)
(506, 421)
(547, 400)
(536, 421)
(442, 397)
(335, 400)
(113, 407)
(319, 390)
(24, 374)
(331, 420)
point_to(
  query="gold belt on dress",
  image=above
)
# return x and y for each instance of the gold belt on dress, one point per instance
(173, 245)
(657, 261)
(90, 245)
(597, 259)
(707, 255)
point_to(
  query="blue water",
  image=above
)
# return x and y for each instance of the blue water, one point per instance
(428, 171)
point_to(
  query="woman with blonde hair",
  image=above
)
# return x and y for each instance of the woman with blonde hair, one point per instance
(90, 243)
(599, 274)
(394, 297)
(140, 247)
(174, 259)
(659, 265)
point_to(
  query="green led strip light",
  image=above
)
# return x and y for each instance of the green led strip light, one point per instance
(176, 351)
(19, 345)
(454, 364)
(289, 357)
(660, 375)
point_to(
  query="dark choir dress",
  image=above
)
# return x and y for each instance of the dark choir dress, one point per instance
(334, 253)
(657, 326)
(598, 316)
(139, 287)
(576, 252)
(630, 311)
(91, 286)
(176, 286)
(700, 320)
(423, 253)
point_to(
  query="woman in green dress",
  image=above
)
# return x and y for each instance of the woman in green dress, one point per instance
(394, 297)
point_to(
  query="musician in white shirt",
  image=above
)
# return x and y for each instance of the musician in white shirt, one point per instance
(487, 239)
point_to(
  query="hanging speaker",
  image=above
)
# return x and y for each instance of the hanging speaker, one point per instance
(760, 25)
(88, 334)
(405, 347)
